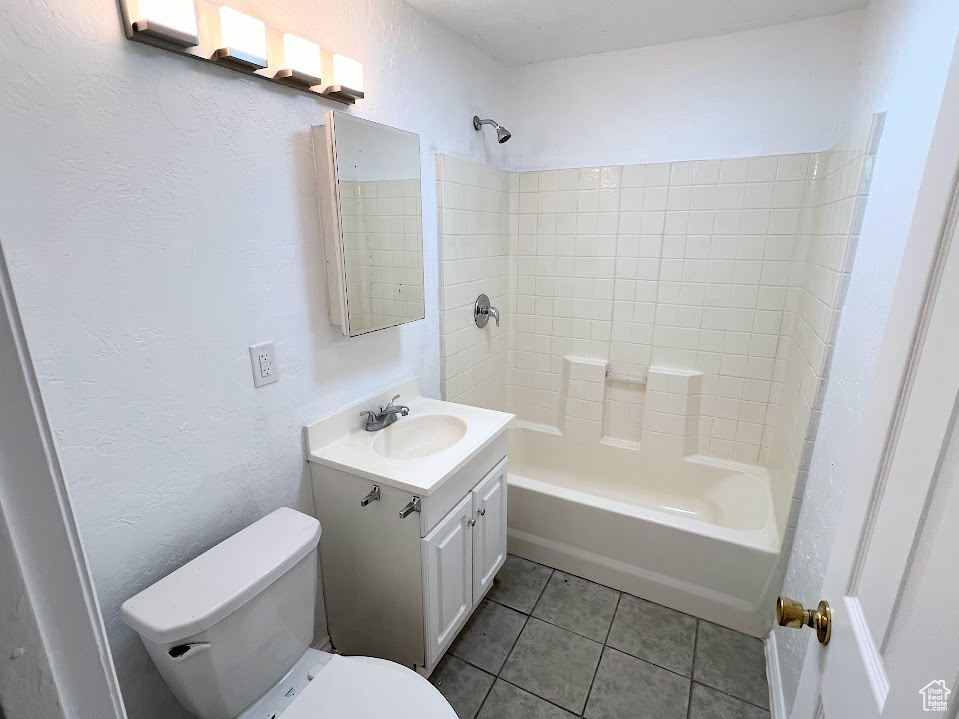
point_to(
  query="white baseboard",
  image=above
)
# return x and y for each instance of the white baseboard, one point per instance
(323, 643)
(777, 701)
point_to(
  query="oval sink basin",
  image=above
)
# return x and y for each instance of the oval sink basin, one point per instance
(418, 437)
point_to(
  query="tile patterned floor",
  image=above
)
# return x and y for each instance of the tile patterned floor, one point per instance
(548, 645)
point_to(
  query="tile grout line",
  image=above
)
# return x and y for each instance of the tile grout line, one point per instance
(617, 649)
(602, 651)
(513, 646)
(692, 671)
(733, 696)
(701, 682)
(604, 644)
(558, 626)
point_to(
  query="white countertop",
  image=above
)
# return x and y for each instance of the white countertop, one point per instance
(353, 452)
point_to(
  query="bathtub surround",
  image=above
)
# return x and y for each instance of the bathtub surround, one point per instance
(732, 269)
(476, 206)
(583, 398)
(670, 425)
(680, 309)
(826, 245)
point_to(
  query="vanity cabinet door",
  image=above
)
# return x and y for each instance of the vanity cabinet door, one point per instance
(489, 532)
(448, 570)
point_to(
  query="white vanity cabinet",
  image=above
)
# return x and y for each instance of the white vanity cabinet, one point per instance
(402, 588)
(461, 555)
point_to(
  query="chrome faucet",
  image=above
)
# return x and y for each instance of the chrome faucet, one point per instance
(386, 416)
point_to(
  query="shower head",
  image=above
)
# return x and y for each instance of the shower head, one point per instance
(502, 134)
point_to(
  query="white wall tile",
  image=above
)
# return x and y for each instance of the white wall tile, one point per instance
(733, 269)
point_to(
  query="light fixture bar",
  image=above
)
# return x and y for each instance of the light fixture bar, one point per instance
(303, 62)
(240, 58)
(172, 21)
(153, 29)
(346, 78)
(208, 32)
(244, 40)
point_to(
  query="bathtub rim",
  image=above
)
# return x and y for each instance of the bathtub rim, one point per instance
(766, 539)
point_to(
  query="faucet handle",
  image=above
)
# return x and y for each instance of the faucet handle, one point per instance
(389, 404)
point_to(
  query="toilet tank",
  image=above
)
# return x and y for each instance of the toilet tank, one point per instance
(225, 627)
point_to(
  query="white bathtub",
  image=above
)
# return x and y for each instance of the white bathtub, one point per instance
(698, 535)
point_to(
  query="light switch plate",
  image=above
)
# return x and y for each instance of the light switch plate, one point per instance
(263, 361)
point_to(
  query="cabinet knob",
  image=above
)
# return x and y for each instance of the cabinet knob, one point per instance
(482, 512)
(472, 522)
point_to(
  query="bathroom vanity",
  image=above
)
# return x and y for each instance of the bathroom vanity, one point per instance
(414, 522)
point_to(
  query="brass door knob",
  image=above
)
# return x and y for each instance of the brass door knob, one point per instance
(792, 614)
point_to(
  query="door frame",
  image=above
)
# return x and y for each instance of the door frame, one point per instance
(930, 236)
(47, 543)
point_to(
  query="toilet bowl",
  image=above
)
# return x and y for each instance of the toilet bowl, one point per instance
(230, 633)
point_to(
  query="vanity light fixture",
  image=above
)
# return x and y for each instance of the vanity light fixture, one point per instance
(303, 62)
(345, 76)
(244, 40)
(209, 32)
(172, 21)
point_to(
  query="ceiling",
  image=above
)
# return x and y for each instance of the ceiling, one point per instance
(518, 32)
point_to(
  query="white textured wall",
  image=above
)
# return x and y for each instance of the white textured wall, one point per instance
(777, 90)
(159, 216)
(904, 58)
(52, 663)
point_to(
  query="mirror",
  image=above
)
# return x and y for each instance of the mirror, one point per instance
(371, 205)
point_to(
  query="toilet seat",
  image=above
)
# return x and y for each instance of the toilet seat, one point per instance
(368, 688)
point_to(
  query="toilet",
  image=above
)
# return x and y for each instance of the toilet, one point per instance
(230, 633)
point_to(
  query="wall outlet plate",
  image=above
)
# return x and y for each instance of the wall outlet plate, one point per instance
(263, 361)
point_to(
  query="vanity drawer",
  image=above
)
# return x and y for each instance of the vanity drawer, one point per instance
(442, 501)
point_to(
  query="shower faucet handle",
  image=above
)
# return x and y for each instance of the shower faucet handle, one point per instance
(483, 310)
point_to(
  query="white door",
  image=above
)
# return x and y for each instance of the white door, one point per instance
(893, 575)
(489, 532)
(448, 560)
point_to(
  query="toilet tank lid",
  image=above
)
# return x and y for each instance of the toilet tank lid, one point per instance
(214, 585)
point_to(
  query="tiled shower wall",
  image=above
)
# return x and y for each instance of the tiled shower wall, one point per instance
(829, 232)
(732, 269)
(682, 265)
(475, 204)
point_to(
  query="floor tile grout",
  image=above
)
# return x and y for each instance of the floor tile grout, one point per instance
(603, 646)
(692, 671)
(513, 646)
(559, 626)
(612, 619)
